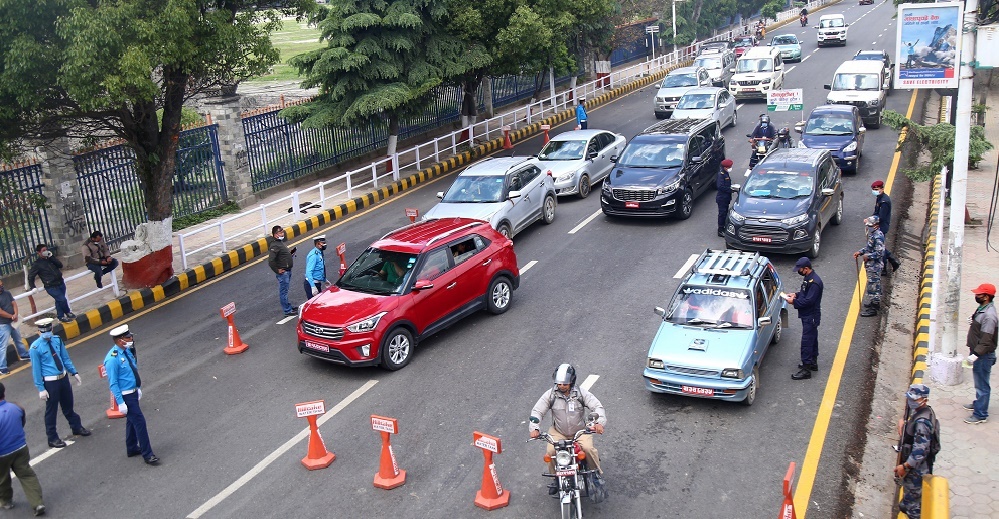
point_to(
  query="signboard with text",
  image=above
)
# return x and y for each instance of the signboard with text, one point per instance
(310, 408)
(928, 46)
(792, 100)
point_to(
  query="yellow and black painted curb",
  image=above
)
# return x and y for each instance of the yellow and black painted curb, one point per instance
(921, 346)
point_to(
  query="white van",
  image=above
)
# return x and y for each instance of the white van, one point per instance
(832, 29)
(757, 72)
(860, 83)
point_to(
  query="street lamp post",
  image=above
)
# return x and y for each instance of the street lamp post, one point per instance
(674, 24)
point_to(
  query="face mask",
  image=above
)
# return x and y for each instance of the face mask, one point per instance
(322, 247)
(912, 404)
(279, 238)
(801, 272)
(46, 335)
(875, 192)
(127, 345)
(763, 125)
(47, 254)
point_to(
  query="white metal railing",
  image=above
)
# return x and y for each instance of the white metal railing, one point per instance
(259, 220)
(30, 293)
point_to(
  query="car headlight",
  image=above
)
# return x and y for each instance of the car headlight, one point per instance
(366, 325)
(567, 176)
(605, 185)
(669, 188)
(795, 219)
(765, 81)
(657, 364)
(563, 458)
(850, 147)
(660, 99)
(732, 373)
(875, 102)
(736, 217)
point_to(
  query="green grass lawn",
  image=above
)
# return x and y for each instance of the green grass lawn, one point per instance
(293, 39)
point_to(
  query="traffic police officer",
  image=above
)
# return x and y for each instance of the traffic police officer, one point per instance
(50, 368)
(125, 382)
(808, 301)
(315, 268)
(874, 262)
(724, 195)
(917, 453)
(581, 113)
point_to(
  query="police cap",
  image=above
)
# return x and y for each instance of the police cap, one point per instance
(45, 325)
(318, 239)
(802, 263)
(727, 163)
(917, 391)
(120, 331)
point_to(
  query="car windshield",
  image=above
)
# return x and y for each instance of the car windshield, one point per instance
(744, 42)
(475, 189)
(754, 65)
(708, 63)
(680, 80)
(652, 155)
(771, 183)
(563, 150)
(785, 40)
(696, 101)
(711, 307)
(869, 57)
(829, 125)
(378, 271)
(830, 22)
(856, 82)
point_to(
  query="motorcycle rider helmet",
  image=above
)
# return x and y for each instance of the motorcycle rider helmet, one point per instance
(764, 119)
(565, 374)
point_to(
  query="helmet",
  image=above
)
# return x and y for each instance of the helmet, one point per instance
(565, 374)
(784, 131)
(764, 119)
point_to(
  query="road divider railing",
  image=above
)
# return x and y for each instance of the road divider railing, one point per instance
(234, 344)
(318, 457)
(29, 294)
(491, 494)
(112, 411)
(389, 474)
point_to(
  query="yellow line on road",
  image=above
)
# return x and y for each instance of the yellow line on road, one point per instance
(821, 427)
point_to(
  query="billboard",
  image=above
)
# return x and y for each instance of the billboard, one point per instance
(786, 100)
(928, 47)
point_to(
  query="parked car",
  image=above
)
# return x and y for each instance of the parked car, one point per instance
(884, 58)
(712, 103)
(718, 63)
(790, 197)
(758, 71)
(580, 158)
(717, 329)
(861, 84)
(740, 44)
(676, 83)
(837, 128)
(789, 46)
(408, 285)
(510, 193)
(663, 169)
(832, 29)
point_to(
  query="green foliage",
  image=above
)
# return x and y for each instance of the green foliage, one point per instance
(187, 116)
(770, 9)
(183, 222)
(938, 140)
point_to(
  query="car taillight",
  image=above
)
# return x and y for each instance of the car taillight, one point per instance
(549, 173)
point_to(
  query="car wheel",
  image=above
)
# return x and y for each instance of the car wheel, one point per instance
(499, 296)
(856, 164)
(686, 205)
(548, 210)
(753, 387)
(777, 331)
(813, 251)
(735, 118)
(397, 349)
(504, 229)
(838, 217)
(584, 186)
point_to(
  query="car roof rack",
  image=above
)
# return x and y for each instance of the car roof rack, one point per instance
(726, 262)
(676, 126)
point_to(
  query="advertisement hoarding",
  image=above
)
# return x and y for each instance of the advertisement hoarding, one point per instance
(928, 46)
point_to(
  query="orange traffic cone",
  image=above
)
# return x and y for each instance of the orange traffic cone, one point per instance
(113, 412)
(389, 474)
(318, 457)
(491, 495)
(546, 127)
(507, 145)
(236, 344)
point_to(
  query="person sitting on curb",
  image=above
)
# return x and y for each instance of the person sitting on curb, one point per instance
(98, 257)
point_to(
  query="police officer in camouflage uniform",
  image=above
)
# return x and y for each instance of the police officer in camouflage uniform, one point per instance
(874, 262)
(917, 454)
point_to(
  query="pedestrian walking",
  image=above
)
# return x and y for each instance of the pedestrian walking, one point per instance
(121, 366)
(98, 257)
(50, 368)
(873, 254)
(808, 301)
(920, 434)
(14, 457)
(882, 209)
(280, 261)
(315, 268)
(982, 343)
(8, 316)
(49, 269)
(581, 113)
(724, 196)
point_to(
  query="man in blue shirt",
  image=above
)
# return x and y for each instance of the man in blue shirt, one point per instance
(808, 301)
(125, 382)
(51, 367)
(315, 268)
(8, 315)
(14, 457)
(581, 113)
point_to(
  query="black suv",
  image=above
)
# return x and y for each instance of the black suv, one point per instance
(786, 203)
(663, 169)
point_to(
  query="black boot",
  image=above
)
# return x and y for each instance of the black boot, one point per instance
(802, 374)
(870, 310)
(553, 487)
(895, 263)
(721, 232)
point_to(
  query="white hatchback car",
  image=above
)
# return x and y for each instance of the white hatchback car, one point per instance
(580, 158)
(708, 103)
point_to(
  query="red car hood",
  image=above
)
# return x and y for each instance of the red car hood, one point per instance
(339, 307)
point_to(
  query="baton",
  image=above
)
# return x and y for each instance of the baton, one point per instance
(860, 296)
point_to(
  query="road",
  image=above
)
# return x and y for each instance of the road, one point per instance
(225, 425)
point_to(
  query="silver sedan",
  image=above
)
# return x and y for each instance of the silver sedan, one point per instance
(708, 103)
(580, 158)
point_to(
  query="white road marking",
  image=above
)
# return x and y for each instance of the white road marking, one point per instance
(875, 42)
(44, 456)
(586, 221)
(259, 467)
(286, 319)
(738, 106)
(789, 69)
(588, 383)
(805, 58)
(528, 266)
(686, 266)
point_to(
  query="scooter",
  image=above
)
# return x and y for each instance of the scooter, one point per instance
(762, 146)
(573, 477)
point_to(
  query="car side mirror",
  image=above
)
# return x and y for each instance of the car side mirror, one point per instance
(696, 160)
(827, 87)
(732, 70)
(749, 135)
(423, 284)
(514, 194)
(659, 85)
(828, 192)
(736, 188)
(613, 158)
(846, 25)
(799, 127)
(764, 321)
(591, 155)
(862, 129)
(779, 67)
(440, 194)
(660, 311)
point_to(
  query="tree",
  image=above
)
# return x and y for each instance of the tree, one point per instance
(938, 140)
(770, 9)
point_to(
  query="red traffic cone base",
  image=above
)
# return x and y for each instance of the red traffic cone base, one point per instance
(491, 504)
(390, 483)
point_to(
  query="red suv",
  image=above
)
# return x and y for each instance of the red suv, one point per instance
(410, 284)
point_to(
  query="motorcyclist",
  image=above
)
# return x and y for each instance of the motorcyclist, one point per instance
(570, 405)
(763, 131)
(803, 16)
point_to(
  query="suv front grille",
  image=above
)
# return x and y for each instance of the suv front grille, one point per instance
(693, 371)
(860, 104)
(634, 195)
(774, 234)
(749, 83)
(325, 332)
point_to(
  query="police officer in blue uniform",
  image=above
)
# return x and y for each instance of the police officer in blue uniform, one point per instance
(126, 386)
(724, 196)
(50, 368)
(808, 301)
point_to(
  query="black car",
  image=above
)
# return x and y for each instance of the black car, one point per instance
(786, 203)
(663, 169)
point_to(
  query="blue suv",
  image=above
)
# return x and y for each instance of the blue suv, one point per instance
(723, 317)
(837, 128)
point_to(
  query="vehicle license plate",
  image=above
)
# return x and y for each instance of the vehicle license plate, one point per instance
(631, 205)
(316, 346)
(565, 473)
(749, 89)
(701, 391)
(762, 239)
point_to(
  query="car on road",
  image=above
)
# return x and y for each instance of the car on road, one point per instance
(716, 331)
(408, 285)
(837, 128)
(789, 46)
(861, 84)
(832, 29)
(663, 169)
(580, 158)
(788, 200)
(884, 58)
(715, 46)
(757, 72)
(718, 63)
(740, 44)
(511, 193)
(866, 2)
(674, 85)
(712, 103)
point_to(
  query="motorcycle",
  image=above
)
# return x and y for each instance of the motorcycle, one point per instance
(804, 20)
(573, 477)
(762, 146)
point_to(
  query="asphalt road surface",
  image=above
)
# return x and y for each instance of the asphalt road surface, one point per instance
(231, 445)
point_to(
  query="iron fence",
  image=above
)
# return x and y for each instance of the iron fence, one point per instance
(26, 225)
(637, 49)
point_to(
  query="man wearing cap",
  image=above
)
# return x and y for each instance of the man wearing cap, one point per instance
(581, 113)
(315, 268)
(50, 368)
(8, 315)
(724, 196)
(14, 457)
(98, 257)
(49, 269)
(917, 453)
(882, 209)
(874, 263)
(808, 301)
(280, 261)
(120, 364)
(982, 343)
